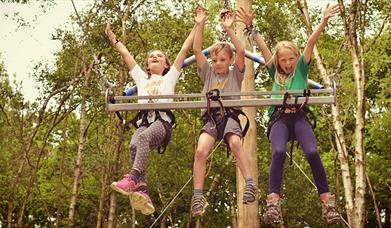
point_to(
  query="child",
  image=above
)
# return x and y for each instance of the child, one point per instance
(154, 127)
(219, 75)
(289, 71)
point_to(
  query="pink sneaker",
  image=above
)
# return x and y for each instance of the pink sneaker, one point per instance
(124, 186)
(140, 200)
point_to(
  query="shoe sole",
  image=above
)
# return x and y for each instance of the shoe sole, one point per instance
(249, 202)
(333, 220)
(117, 189)
(199, 214)
(269, 219)
(148, 209)
(139, 202)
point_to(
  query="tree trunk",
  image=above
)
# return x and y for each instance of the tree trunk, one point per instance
(22, 161)
(356, 47)
(113, 194)
(82, 139)
(120, 130)
(41, 152)
(247, 214)
(378, 218)
(337, 124)
(59, 181)
(102, 196)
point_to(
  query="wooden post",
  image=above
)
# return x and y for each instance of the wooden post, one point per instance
(247, 214)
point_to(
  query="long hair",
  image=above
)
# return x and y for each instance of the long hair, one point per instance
(280, 76)
(146, 68)
(222, 46)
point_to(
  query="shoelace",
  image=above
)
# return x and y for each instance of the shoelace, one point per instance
(198, 204)
(272, 211)
(330, 212)
(249, 194)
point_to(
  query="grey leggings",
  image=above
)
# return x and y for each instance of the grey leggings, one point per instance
(290, 126)
(144, 140)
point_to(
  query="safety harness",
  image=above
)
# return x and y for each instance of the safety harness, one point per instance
(141, 120)
(285, 108)
(219, 116)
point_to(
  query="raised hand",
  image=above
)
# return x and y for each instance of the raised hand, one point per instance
(330, 11)
(243, 16)
(227, 18)
(109, 33)
(201, 15)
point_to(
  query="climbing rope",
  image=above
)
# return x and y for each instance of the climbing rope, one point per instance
(180, 191)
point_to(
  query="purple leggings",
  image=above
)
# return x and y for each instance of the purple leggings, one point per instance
(294, 126)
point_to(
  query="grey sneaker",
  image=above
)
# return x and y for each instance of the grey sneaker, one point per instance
(329, 213)
(249, 195)
(273, 210)
(198, 206)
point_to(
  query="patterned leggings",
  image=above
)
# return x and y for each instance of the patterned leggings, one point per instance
(287, 127)
(144, 140)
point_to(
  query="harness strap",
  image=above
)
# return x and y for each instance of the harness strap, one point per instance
(214, 95)
(291, 153)
(143, 116)
(279, 111)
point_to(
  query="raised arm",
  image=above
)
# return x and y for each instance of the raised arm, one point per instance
(247, 19)
(200, 20)
(121, 48)
(184, 50)
(227, 19)
(328, 12)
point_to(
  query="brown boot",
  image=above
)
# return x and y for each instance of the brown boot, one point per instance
(329, 213)
(273, 209)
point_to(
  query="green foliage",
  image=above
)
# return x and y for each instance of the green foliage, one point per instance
(48, 173)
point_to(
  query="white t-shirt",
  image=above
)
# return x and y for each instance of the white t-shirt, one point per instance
(155, 84)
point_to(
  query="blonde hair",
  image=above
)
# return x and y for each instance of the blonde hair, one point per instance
(280, 77)
(146, 68)
(222, 46)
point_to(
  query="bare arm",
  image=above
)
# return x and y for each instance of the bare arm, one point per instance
(329, 12)
(200, 20)
(227, 20)
(121, 48)
(247, 19)
(185, 48)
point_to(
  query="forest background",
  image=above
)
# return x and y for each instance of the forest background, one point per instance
(60, 152)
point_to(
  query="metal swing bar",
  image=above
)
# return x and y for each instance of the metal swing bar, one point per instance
(197, 101)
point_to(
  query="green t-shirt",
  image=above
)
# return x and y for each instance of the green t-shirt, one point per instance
(299, 80)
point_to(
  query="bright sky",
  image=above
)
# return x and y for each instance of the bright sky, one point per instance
(21, 48)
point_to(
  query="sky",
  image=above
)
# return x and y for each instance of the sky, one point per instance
(21, 48)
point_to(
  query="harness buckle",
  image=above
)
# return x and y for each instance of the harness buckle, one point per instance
(213, 94)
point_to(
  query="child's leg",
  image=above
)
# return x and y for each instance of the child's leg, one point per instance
(133, 151)
(128, 183)
(235, 145)
(279, 135)
(279, 138)
(150, 138)
(306, 138)
(205, 144)
(233, 134)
